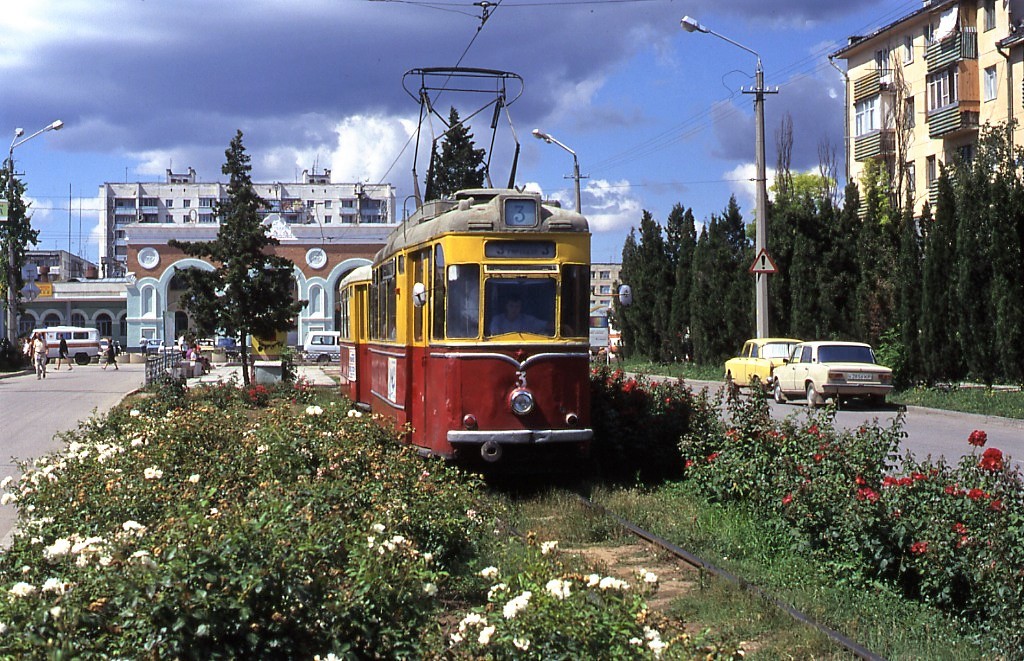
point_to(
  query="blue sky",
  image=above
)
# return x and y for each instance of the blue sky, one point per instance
(654, 113)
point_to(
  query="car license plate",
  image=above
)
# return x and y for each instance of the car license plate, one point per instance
(858, 376)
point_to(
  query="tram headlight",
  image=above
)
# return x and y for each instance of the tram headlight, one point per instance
(521, 401)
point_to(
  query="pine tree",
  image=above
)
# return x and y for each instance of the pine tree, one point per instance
(457, 164)
(1007, 250)
(631, 268)
(876, 257)
(249, 292)
(649, 277)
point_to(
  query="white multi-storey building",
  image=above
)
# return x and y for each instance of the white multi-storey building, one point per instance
(183, 201)
(325, 229)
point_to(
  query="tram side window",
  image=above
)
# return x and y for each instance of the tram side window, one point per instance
(383, 302)
(520, 305)
(575, 318)
(344, 322)
(463, 300)
(438, 295)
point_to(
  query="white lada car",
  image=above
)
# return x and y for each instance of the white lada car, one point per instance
(816, 371)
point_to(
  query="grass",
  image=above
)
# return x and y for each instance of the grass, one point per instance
(730, 538)
(1005, 403)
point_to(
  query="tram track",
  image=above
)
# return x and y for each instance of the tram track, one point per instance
(703, 565)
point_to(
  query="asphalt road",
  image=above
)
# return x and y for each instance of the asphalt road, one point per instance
(929, 431)
(34, 411)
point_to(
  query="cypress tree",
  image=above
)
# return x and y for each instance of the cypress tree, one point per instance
(973, 259)
(249, 292)
(940, 356)
(627, 320)
(681, 235)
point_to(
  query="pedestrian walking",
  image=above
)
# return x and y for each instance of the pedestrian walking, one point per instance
(111, 354)
(39, 349)
(63, 353)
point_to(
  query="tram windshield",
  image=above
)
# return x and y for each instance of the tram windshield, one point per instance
(520, 305)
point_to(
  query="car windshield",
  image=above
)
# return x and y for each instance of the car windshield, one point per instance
(839, 353)
(776, 350)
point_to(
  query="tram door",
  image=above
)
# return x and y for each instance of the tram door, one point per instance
(420, 365)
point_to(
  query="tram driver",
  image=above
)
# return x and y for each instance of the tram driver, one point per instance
(512, 319)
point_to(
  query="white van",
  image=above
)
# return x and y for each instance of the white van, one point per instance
(321, 346)
(83, 343)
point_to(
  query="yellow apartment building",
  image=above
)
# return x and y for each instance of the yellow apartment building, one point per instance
(919, 90)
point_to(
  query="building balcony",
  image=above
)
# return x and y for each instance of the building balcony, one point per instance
(874, 144)
(960, 46)
(953, 120)
(875, 82)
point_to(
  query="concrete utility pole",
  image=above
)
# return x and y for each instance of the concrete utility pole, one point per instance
(761, 226)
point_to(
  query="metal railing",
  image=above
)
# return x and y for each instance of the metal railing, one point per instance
(163, 365)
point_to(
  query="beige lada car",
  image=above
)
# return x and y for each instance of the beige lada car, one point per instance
(816, 371)
(757, 361)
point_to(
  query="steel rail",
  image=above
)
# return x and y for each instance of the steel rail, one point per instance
(698, 562)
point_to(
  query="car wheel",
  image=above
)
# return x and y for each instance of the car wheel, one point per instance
(82, 359)
(812, 396)
(780, 397)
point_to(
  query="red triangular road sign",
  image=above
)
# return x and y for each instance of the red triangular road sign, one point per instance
(763, 264)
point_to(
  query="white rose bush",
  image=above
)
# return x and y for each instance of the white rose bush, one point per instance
(190, 524)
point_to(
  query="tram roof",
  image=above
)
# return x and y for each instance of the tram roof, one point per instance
(478, 210)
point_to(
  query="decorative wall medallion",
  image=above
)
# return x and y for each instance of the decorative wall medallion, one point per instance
(149, 258)
(316, 258)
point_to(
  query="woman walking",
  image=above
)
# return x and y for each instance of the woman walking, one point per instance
(111, 354)
(63, 353)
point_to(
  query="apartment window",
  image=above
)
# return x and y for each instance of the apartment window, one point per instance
(908, 49)
(169, 204)
(206, 217)
(327, 204)
(942, 88)
(207, 202)
(150, 202)
(327, 220)
(991, 83)
(310, 204)
(882, 64)
(932, 169)
(927, 33)
(910, 112)
(348, 204)
(186, 203)
(168, 218)
(911, 179)
(990, 15)
(606, 275)
(866, 116)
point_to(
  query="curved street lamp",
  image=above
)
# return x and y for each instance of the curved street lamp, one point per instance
(691, 24)
(540, 135)
(12, 293)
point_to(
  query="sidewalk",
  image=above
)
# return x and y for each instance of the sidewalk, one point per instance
(316, 375)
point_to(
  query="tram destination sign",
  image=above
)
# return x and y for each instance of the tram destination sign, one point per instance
(520, 249)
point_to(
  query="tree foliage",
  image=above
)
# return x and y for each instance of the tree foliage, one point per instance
(456, 163)
(939, 294)
(249, 291)
(17, 235)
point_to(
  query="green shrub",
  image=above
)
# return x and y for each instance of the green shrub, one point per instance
(638, 425)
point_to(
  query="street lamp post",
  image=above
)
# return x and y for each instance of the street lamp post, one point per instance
(12, 293)
(537, 133)
(761, 227)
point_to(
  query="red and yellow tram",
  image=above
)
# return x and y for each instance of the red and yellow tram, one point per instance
(471, 328)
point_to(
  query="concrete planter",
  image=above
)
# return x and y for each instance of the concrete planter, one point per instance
(268, 372)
